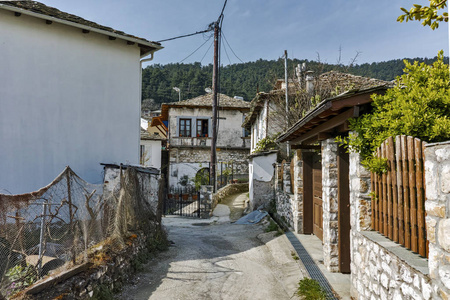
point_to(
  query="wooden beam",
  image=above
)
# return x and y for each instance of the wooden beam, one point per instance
(326, 126)
(324, 136)
(354, 100)
(305, 147)
(130, 43)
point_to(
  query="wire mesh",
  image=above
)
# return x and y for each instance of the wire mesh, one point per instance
(51, 230)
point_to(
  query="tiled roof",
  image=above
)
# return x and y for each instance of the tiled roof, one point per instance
(333, 81)
(206, 101)
(44, 10)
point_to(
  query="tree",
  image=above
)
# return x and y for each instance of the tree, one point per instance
(429, 15)
(418, 105)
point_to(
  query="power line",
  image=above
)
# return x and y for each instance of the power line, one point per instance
(230, 47)
(206, 52)
(186, 35)
(195, 50)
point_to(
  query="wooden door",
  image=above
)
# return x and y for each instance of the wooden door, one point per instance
(344, 211)
(317, 196)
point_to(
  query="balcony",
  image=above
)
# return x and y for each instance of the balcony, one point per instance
(190, 141)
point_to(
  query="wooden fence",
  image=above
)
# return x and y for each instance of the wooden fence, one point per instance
(398, 202)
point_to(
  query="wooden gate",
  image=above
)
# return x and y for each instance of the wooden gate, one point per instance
(317, 197)
(398, 203)
(312, 194)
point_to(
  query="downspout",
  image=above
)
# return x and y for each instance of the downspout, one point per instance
(140, 98)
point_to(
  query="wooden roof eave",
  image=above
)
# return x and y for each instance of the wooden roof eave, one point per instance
(333, 112)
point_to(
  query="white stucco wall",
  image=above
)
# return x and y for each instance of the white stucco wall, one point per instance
(66, 98)
(230, 129)
(152, 150)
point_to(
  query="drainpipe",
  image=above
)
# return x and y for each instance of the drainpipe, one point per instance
(140, 97)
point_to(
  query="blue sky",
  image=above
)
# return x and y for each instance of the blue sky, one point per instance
(263, 29)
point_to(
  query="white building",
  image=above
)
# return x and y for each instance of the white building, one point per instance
(69, 95)
(190, 132)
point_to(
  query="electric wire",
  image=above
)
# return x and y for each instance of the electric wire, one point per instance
(226, 41)
(206, 52)
(186, 35)
(195, 50)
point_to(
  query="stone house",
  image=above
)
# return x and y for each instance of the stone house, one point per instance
(267, 118)
(190, 131)
(259, 122)
(331, 199)
(81, 83)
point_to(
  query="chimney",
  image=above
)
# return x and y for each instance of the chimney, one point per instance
(309, 82)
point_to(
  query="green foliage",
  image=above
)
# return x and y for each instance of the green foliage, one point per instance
(20, 277)
(429, 15)
(272, 226)
(310, 289)
(243, 79)
(418, 105)
(265, 144)
(201, 178)
(102, 292)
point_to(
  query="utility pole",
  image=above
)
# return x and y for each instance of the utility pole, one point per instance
(214, 105)
(287, 99)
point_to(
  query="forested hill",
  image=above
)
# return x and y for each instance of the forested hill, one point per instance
(245, 79)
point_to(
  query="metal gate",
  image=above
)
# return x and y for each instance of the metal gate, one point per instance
(183, 201)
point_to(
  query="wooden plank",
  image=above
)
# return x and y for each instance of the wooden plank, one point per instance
(330, 124)
(401, 221)
(393, 183)
(384, 195)
(380, 198)
(307, 192)
(405, 179)
(343, 211)
(374, 223)
(422, 243)
(412, 194)
(387, 153)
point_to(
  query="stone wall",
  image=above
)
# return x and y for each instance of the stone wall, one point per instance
(229, 189)
(188, 161)
(382, 269)
(111, 266)
(330, 204)
(288, 198)
(437, 206)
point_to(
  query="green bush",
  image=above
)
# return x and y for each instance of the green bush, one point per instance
(418, 105)
(310, 289)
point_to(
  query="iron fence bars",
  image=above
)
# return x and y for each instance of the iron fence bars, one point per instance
(183, 201)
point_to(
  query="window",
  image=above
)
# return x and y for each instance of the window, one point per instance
(202, 128)
(185, 127)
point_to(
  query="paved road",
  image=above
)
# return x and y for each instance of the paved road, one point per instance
(214, 259)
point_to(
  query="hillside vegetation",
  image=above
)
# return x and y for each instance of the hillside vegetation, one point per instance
(246, 79)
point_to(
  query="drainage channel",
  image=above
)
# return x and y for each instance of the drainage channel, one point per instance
(310, 265)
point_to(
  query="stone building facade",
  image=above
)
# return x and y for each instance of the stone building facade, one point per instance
(190, 133)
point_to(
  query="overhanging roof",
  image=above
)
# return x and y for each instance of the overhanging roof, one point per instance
(51, 14)
(330, 116)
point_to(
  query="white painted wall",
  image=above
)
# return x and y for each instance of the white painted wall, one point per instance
(230, 124)
(153, 153)
(66, 98)
(261, 169)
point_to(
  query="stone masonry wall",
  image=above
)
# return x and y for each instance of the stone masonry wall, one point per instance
(382, 269)
(288, 198)
(437, 206)
(330, 204)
